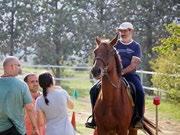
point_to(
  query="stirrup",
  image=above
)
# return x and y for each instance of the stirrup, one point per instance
(89, 118)
(90, 124)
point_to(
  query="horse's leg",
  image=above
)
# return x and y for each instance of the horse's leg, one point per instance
(132, 131)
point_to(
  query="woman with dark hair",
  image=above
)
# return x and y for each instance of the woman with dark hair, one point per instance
(52, 107)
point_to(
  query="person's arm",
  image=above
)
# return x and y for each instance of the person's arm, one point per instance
(40, 118)
(135, 62)
(31, 113)
(70, 103)
(41, 121)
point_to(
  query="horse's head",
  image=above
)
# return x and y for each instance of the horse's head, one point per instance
(105, 57)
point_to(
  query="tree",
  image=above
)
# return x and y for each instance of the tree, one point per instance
(58, 38)
(18, 25)
(167, 63)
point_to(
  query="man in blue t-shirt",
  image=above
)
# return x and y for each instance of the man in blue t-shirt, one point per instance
(130, 53)
(14, 97)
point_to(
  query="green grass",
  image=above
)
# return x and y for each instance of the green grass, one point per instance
(166, 109)
(82, 87)
(80, 82)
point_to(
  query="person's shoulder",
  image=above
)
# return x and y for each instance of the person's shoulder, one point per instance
(62, 91)
(57, 87)
(22, 83)
(135, 43)
(118, 44)
(18, 82)
(15, 79)
(39, 98)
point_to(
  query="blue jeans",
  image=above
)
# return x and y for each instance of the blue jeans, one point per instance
(135, 79)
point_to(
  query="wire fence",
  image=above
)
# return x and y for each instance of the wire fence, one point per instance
(142, 74)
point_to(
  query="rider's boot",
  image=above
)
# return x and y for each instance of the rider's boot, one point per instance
(139, 119)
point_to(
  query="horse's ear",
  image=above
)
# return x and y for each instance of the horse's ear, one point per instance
(114, 40)
(98, 41)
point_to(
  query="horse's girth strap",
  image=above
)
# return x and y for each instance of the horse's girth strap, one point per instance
(130, 96)
(128, 89)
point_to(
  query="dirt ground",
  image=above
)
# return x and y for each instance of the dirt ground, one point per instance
(167, 126)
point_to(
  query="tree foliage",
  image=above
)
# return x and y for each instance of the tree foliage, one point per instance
(53, 30)
(18, 26)
(167, 63)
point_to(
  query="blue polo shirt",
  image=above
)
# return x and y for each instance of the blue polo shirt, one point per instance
(127, 51)
(14, 95)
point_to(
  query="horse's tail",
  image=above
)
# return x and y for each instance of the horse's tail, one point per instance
(149, 126)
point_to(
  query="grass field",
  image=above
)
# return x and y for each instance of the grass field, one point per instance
(167, 109)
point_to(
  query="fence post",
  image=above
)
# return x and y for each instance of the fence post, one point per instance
(49, 67)
(141, 76)
(156, 102)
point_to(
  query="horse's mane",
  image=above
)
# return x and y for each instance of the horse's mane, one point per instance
(118, 64)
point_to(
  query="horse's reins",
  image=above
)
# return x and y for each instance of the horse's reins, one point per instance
(105, 69)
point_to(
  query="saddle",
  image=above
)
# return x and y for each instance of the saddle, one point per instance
(131, 90)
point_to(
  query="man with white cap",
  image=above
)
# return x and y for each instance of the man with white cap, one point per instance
(130, 53)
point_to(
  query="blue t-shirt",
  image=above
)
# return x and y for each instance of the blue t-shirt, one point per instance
(14, 94)
(127, 51)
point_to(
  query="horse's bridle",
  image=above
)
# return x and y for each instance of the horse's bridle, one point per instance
(105, 69)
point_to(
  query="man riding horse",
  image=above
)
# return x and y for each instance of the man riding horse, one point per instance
(130, 54)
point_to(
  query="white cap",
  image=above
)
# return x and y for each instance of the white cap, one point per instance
(125, 26)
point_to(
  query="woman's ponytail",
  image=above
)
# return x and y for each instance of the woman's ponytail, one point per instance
(45, 81)
(45, 96)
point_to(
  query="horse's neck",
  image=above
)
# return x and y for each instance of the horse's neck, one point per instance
(110, 84)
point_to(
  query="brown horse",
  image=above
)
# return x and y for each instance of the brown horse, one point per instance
(113, 110)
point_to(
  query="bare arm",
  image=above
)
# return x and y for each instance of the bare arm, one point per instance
(133, 66)
(70, 104)
(41, 121)
(31, 112)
